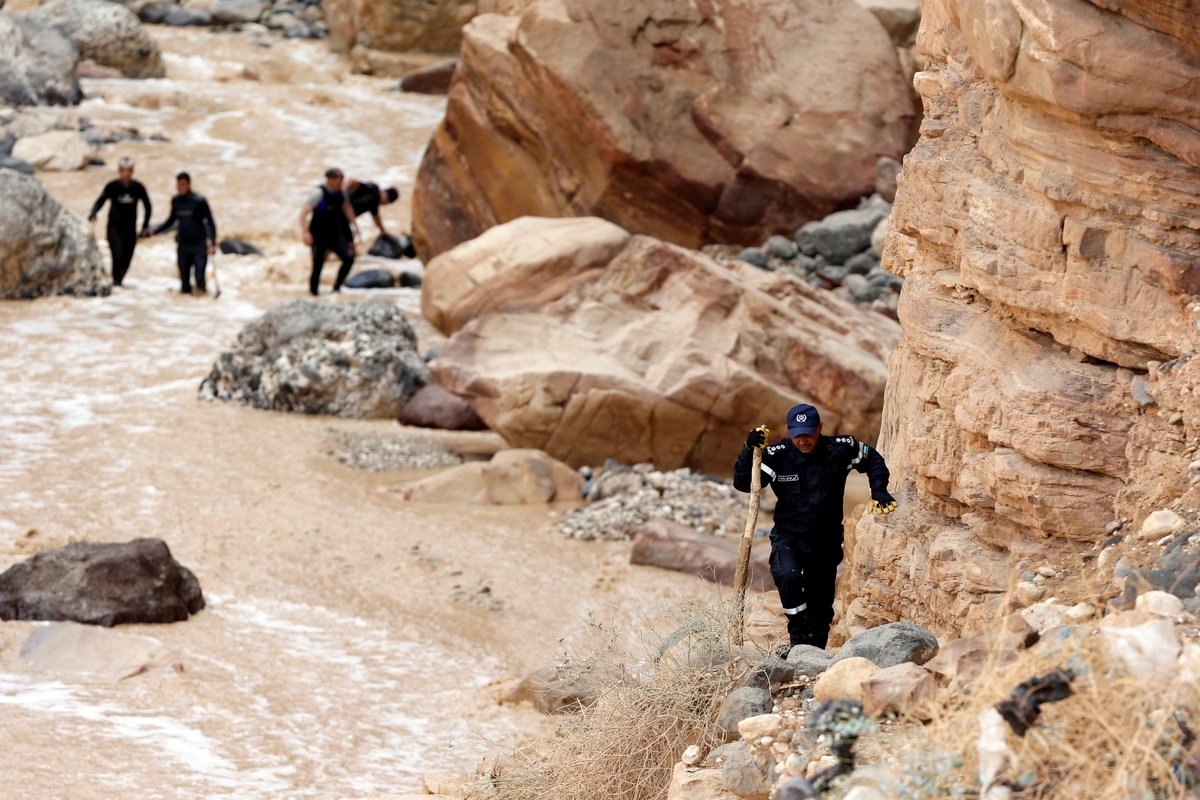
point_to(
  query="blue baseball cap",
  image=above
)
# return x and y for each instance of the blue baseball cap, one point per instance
(803, 420)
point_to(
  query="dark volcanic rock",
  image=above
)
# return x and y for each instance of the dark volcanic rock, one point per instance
(101, 583)
(434, 407)
(351, 360)
(892, 644)
(371, 279)
(237, 247)
(389, 246)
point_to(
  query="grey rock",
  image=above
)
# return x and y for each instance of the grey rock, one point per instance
(854, 283)
(754, 255)
(6, 145)
(742, 702)
(833, 274)
(844, 233)
(155, 13)
(1140, 395)
(744, 776)
(892, 644)
(809, 660)
(37, 63)
(887, 171)
(107, 33)
(44, 249)
(237, 247)
(232, 12)
(354, 360)
(101, 583)
(781, 247)
(410, 280)
(805, 263)
(184, 17)
(862, 263)
(1113, 526)
(24, 167)
(389, 246)
(371, 279)
(301, 31)
(771, 671)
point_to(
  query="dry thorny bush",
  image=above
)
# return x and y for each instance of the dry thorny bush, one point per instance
(1116, 738)
(658, 689)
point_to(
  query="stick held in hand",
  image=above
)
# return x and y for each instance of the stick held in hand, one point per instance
(743, 563)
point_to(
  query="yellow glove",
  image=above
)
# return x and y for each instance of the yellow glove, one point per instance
(881, 503)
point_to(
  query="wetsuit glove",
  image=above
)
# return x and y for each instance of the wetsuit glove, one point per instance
(756, 438)
(881, 503)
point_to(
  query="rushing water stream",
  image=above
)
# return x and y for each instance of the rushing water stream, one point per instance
(341, 654)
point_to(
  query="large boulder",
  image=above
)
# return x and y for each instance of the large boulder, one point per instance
(350, 360)
(671, 545)
(889, 645)
(107, 33)
(669, 358)
(512, 477)
(54, 151)
(432, 26)
(44, 249)
(516, 266)
(691, 122)
(1046, 225)
(37, 63)
(101, 583)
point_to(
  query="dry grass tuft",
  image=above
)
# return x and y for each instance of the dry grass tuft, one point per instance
(658, 692)
(1116, 738)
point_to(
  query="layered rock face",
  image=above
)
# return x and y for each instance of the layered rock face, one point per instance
(690, 122)
(434, 26)
(669, 357)
(1047, 227)
(44, 249)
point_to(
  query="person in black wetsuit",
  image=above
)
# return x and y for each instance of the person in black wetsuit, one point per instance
(808, 473)
(123, 194)
(366, 198)
(328, 224)
(196, 239)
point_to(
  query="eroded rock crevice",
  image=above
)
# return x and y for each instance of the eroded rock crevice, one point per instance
(1047, 235)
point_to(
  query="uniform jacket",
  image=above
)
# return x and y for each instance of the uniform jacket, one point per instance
(810, 489)
(196, 224)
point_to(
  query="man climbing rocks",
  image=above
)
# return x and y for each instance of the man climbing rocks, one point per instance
(327, 222)
(368, 197)
(123, 194)
(196, 238)
(808, 472)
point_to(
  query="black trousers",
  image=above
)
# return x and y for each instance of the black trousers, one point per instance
(122, 239)
(806, 579)
(192, 258)
(341, 246)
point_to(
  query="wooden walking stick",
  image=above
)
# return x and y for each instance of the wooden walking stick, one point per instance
(743, 564)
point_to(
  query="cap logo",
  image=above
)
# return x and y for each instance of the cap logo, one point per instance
(802, 418)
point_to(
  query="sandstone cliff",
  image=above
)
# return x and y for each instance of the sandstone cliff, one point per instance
(690, 122)
(432, 26)
(1047, 226)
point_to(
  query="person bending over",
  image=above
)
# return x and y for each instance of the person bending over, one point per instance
(368, 197)
(123, 194)
(196, 238)
(328, 224)
(808, 472)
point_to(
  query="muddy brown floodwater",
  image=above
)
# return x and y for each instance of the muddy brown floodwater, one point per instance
(348, 647)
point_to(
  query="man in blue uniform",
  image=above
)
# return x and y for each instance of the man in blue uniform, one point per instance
(808, 473)
(196, 239)
(123, 195)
